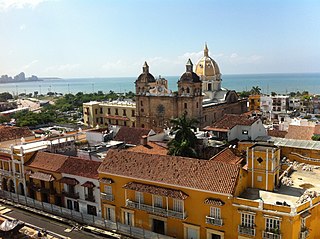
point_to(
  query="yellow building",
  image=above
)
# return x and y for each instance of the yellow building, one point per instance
(225, 197)
(105, 113)
(254, 102)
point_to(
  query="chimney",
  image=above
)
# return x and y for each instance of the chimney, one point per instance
(144, 140)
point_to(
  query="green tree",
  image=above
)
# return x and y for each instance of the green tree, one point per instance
(184, 142)
(273, 93)
(5, 96)
(244, 94)
(255, 90)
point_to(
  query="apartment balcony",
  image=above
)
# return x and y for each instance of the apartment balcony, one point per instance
(108, 197)
(304, 233)
(214, 221)
(156, 210)
(271, 235)
(5, 173)
(244, 230)
(73, 195)
(90, 198)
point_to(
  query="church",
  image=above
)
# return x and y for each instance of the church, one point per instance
(200, 96)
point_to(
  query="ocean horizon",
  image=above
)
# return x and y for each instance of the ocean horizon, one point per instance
(280, 83)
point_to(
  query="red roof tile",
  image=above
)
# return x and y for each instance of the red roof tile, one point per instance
(227, 156)
(150, 148)
(277, 133)
(47, 161)
(229, 121)
(81, 167)
(12, 132)
(208, 175)
(131, 135)
(300, 132)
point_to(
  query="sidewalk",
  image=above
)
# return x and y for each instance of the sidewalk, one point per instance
(66, 221)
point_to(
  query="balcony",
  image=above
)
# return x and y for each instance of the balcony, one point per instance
(70, 194)
(5, 172)
(304, 233)
(214, 221)
(156, 210)
(90, 198)
(245, 230)
(271, 235)
(108, 197)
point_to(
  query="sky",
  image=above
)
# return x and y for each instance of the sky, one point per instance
(81, 38)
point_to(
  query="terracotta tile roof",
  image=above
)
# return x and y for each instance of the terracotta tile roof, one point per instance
(150, 148)
(229, 121)
(131, 135)
(214, 201)
(300, 132)
(64, 164)
(88, 184)
(80, 167)
(277, 133)
(316, 129)
(208, 175)
(227, 156)
(47, 161)
(42, 176)
(69, 181)
(12, 132)
(146, 188)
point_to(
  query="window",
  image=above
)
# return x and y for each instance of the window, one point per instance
(139, 197)
(96, 111)
(97, 120)
(259, 178)
(91, 210)
(185, 105)
(69, 204)
(43, 184)
(124, 113)
(71, 189)
(110, 214)
(197, 104)
(132, 113)
(108, 189)
(177, 205)
(128, 218)
(215, 212)
(245, 132)
(101, 111)
(76, 206)
(141, 103)
(157, 201)
(109, 111)
(247, 220)
(272, 224)
(125, 123)
(303, 223)
(116, 112)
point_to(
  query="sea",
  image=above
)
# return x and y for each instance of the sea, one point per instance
(279, 83)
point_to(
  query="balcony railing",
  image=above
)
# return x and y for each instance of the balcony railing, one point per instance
(108, 197)
(304, 233)
(157, 210)
(5, 172)
(73, 195)
(214, 221)
(245, 230)
(271, 235)
(90, 198)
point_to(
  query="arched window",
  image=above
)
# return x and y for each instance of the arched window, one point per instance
(188, 90)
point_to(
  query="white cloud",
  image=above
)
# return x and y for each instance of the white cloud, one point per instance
(62, 68)
(7, 4)
(235, 58)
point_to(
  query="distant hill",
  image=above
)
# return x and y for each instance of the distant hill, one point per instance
(50, 78)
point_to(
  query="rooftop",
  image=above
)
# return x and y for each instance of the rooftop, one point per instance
(150, 148)
(11, 132)
(207, 175)
(229, 121)
(296, 143)
(300, 180)
(132, 135)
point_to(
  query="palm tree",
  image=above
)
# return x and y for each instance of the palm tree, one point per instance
(185, 140)
(256, 90)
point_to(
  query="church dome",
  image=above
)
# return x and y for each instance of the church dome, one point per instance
(146, 77)
(207, 67)
(189, 75)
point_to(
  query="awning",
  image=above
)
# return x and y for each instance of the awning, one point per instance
(146, 188)
(88, 184)
(214, 201)
(42, 176)
(117, 117)
(5, 158)
(69, 181)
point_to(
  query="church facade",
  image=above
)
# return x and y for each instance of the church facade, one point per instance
(199, 95)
